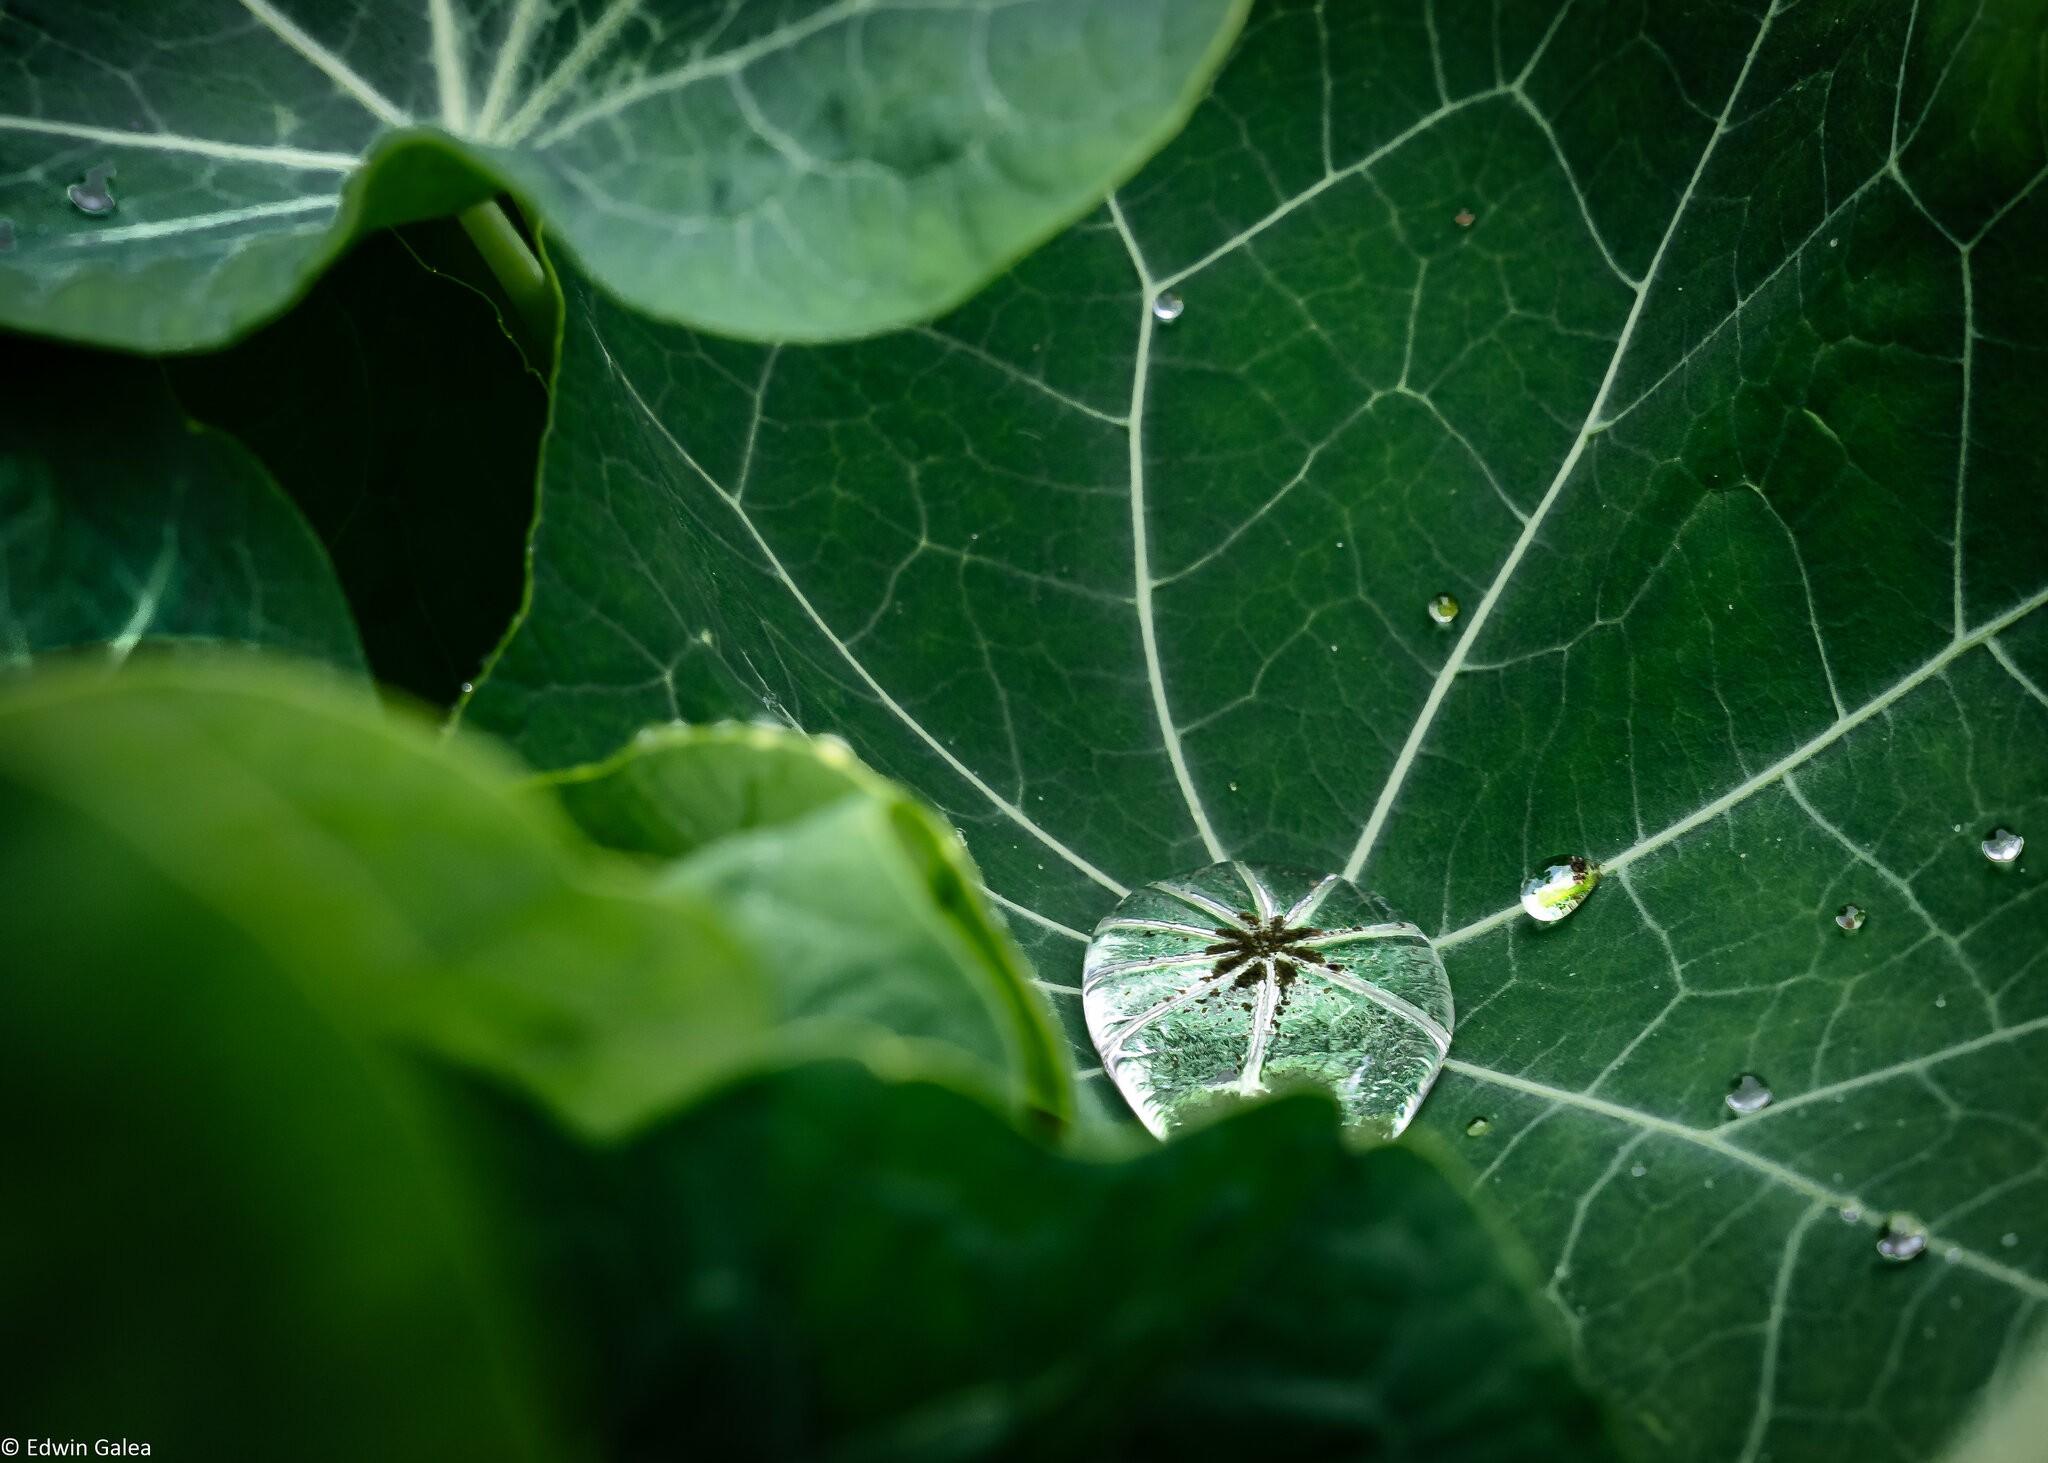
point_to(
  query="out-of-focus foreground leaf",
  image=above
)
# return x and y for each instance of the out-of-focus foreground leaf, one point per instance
(121, 521)
(176, 170)
(822, 1265)
(861, 907)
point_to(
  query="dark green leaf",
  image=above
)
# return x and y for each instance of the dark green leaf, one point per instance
(122, 521)
(797, 168)
(230, 1232)
(858, 903)
(1699, 352)
(405, 882)
(822, 1265)
(399, 416)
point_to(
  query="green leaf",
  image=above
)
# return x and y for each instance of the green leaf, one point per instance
(1698, 353)
(791, 168)
(400, 418)
(857, 901)
(231, 1232)
(407, 884)
(126, 522)
(819, 1264)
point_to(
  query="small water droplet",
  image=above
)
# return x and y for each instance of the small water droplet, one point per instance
(467, 688)
(1443, 609)
(2009, 1240)
(1940, 1002)
(1749, 1095)
(1233, 787)
(1833, 242)
(1637, 1171)
(1851, 1214)
(1166, 306)
(2002, 845)
(92, 196)
(1477, 1128)
(1902, 1238)
(1559, 887)
(1169, 969)
(1850, 917)
(1959, 827)
(1464, 218)
(1952, 1254)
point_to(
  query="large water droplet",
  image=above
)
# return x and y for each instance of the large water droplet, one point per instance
(1239, 979)
(1850, 917)
(1559, 887)
(1443, 609)
(1166, 306)
(1477, 1128)
(93, 196)
(1748, 1095)
(1903, 1238)
(2003, 845)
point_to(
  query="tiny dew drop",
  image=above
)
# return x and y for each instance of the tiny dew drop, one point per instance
(1850, 917)
(92, 196)
(1477, 1128)
(1851, 1214)
(1443, 609)
(1166, 306)
(2009, 1240)
(1749, 1095)
(2002, 845)
(1559, 887)
(1902, 1239)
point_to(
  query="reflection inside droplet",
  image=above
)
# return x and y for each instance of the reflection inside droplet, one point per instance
(93, 196)
(1477, 1128)
(2002, 845)
(1443, 609)
(1166, 306)
(1748, 1095)
(1559, 887)
(1850, 917)
(1903, 1238)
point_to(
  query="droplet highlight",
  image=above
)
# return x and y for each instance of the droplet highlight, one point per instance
(1167, 306)
(1238, 979)
(1749, 1094)
(93, 196)
(2002, 845)
(1464, 218)
(1443, 609)
(1478, 1128)
(1903, 1238)
(1559, 887)
(1850, 917)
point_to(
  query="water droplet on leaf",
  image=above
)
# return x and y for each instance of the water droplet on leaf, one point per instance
(1344, 993)
(1464, 218)
(1166, 306)
(1443, 609)
(2009, 1240)
(1902, 1239)
(1477, 1128)
(1850, 917)
(93, 196)
(1559, 887)
(1851, 1214)
(2003, 845)
(1637, 1171)
(1749, 1095)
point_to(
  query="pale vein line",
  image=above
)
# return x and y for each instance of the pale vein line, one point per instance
(1056, 989)
(997, 363)
(1713, 1142)
(1774, 1325)
(1911, 1067)
(2012, 669)
(1456, 660)
(1797, 758)
(194, 223)
(1195, 899)
(1113, 1048)
(1015, 813)
(338, 71)
(1386, 1000)
(1963, 436)
(1572, 182)
(511, 53)
(149, 599)
(1159, 926)
(283, 157)
(1265, 1008)
(1034, 916)
(567, 74)
(618, 98)
(448, 70)
(1141, 563)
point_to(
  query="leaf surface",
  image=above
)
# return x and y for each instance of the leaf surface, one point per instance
(818, 1264)
(1698, 353)
(128, 522)
(790, 168)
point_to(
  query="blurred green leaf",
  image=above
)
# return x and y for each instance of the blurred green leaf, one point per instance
(799, 168)
(121, 521)
(822, 1265)
(860, 905)
(407, 883)
(394, 410)
(230, 1232)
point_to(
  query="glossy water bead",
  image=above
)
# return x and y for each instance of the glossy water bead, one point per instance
(1241, 979)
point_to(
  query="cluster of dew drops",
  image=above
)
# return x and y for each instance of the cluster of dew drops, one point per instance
(1562, 884)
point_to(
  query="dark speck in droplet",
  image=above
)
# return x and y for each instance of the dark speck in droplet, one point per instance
(1465, 218)
(93, 196)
